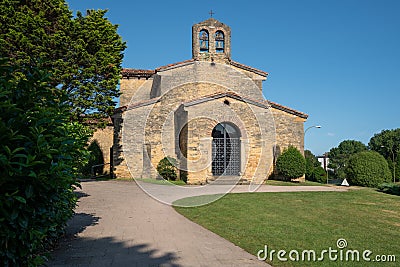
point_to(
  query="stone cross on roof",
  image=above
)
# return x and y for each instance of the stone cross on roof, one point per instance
(211, 13)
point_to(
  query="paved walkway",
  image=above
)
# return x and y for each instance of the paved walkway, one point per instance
(169, 194)
(117, 224)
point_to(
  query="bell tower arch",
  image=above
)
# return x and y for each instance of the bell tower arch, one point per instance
(211, 41)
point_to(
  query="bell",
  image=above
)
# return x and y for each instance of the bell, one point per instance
(204, 36)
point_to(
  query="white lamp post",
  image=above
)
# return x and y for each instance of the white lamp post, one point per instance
(314, 126)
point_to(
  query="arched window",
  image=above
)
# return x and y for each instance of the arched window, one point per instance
(219, 42)
(203, 40)
(226, 149)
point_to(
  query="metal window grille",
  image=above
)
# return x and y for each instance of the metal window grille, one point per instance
(226, 156)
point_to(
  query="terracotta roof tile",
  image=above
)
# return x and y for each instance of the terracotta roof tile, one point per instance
(137, 73)
(175, 64)
(248, 68)
(288, 110)
(120, 109)
(140, 73)
(231, 94)
(90, 120)
(143, 103)
(263, 103)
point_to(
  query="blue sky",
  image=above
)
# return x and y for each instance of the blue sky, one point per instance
(336, 60)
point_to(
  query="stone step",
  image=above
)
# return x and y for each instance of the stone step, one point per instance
(227, 180)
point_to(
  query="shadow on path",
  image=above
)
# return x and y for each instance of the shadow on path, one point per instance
(109, 252)
(80, 194)
(79, 251)
(78, 223)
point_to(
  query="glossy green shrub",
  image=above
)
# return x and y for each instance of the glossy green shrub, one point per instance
(367, 168)
(291, 163)
(40, 154)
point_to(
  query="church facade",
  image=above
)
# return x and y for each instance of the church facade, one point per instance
(208, 113)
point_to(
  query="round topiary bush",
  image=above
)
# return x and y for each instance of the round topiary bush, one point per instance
(291, 163)
(166, 168)
(367, 168)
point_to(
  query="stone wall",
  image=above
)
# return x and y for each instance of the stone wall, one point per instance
(150, 130)
(211, 26)
(134, 90)
(131, 151)
(257, 138)
(257, 79)
(289, 130)
(213, 73)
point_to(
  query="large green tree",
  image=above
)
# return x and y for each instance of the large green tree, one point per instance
(84, 53)
(339, 156)
(311, 163)
(387, 143)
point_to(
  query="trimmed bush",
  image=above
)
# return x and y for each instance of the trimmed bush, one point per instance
(390, 188)
(291, 163)
(166, 168)
(367, 168)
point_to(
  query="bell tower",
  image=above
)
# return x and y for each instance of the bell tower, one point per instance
(211, 41)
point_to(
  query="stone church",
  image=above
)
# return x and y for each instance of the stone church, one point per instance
(208, 113)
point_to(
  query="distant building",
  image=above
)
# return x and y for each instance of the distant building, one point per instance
(324, 161)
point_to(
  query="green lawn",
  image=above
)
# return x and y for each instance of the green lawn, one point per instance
(306, 221)
(285, 183)
(163, 182)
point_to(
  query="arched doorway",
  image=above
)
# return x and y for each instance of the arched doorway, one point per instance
(226, 149)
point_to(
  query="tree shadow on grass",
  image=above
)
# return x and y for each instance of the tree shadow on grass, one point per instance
(75, 250)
